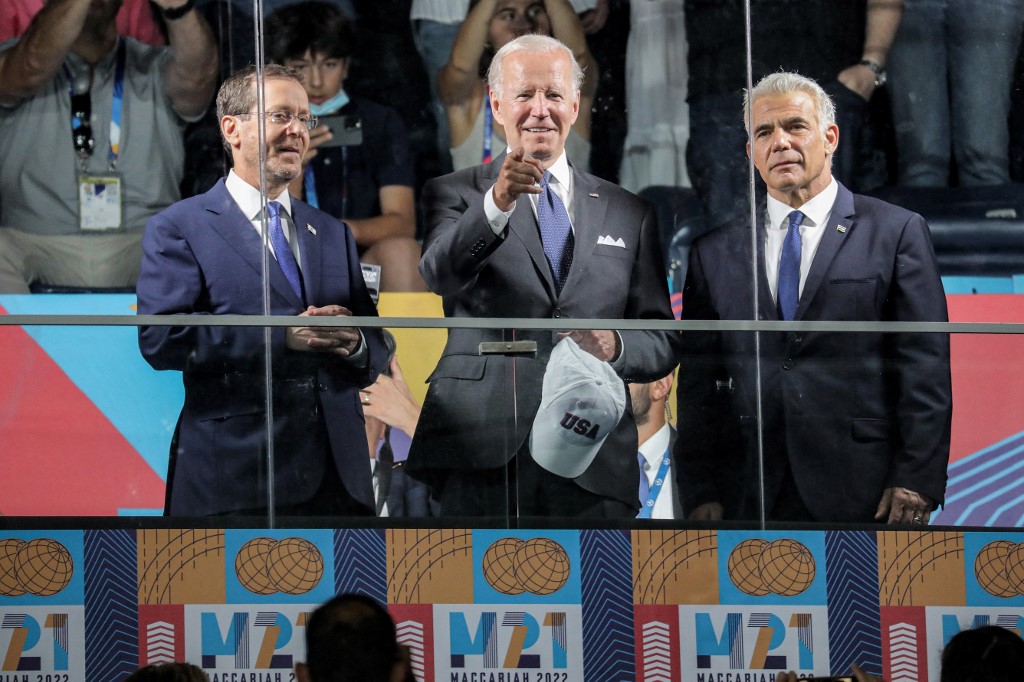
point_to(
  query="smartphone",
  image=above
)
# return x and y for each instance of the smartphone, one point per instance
(346, 131)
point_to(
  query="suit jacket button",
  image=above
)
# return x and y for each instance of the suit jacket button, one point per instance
(557, 313)
(787, 363)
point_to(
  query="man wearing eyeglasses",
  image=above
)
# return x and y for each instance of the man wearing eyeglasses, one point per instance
(206, 256)
(91, 139)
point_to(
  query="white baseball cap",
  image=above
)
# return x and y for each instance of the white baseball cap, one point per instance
(582, 402)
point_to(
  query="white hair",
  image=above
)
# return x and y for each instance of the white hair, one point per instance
(532, 43)
(784, 83)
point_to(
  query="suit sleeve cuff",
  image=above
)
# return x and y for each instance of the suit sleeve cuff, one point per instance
(496, 218)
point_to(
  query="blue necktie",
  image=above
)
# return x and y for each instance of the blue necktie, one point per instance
(645, 486)
(555, 232)
(285, 257)
(789, 268)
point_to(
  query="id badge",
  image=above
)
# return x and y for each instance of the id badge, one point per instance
(99, 202)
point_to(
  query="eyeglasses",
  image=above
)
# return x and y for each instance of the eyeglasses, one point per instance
(285, 118)
(81, 130)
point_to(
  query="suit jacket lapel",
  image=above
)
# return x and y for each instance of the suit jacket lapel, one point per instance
(589, 208)
(766, 306)
(234, 227)
(309, 250)
(831, 239)
(523, 224)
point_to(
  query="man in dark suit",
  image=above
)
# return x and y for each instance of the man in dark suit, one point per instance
(485, 255)
(854, 426)
(205, 256)
(656, 460)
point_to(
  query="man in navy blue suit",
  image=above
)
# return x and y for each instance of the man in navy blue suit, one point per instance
(205, 256)
(853, 426)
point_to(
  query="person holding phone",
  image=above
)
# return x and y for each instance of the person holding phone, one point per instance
(358, 167)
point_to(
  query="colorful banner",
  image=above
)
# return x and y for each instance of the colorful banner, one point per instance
(506, 605)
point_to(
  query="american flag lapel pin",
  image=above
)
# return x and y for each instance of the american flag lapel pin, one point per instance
(593, 194)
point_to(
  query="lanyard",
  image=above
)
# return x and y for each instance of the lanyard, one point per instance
(648, 506)
(488, 128)
(309, 184)
(116, 108)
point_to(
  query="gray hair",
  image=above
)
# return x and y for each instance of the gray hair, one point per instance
(533, 44)
(784, 83)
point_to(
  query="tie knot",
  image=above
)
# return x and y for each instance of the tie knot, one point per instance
(795, 218)
(274, 209)
(546, 179)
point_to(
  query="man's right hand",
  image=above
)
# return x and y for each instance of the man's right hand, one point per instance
(709, 511)
(518, 175)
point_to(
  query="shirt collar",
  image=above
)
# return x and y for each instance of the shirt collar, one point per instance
(815, 211)
(653, 449)
(249, 199)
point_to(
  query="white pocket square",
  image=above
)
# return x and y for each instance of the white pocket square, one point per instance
(608, 241)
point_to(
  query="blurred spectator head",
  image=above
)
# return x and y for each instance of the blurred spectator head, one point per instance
(315, 38)
(169, 672)
(985, 654)
(351, 638)
(512, 19)
(515, 18)
(784, 83)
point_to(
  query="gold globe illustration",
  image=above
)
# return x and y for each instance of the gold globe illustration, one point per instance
(542, 566)
(499, 566)
(295, 565)
(1015, 568)
(10, 586)
(787, 567)
(43, 566)
(251, 566)
(743, 567)
(990, 568)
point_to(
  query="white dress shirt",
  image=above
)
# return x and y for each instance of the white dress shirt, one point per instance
(816, 212)
(654, 450)
(250, 201)
(561, 185)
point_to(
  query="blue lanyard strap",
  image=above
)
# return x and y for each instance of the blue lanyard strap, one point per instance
(488, 128)
(659, 481)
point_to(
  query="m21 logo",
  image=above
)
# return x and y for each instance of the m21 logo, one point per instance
(235, 639)
(542, 639)
(42, 640)
(731, 639)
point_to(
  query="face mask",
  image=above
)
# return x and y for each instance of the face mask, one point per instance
(335, 103)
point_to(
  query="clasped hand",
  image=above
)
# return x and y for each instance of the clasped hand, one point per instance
(342, 341)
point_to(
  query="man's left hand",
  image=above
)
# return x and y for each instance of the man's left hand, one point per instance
(860, 79)
(603, 344)
(901, 505)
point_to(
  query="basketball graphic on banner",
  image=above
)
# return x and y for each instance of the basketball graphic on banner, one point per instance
(784, 567)
(542, 566)
(295, 565)
(251, 566)
(787, 567)
(9, 585)
(266, 566)
(744, 570)
(41, 567)
(539, 566)
(998, 568)
(499, 566)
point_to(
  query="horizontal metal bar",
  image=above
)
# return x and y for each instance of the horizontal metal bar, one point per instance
(560, 324)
